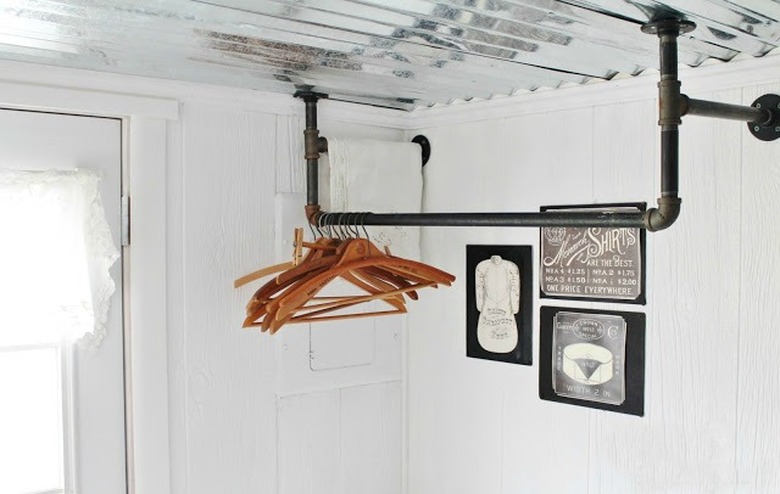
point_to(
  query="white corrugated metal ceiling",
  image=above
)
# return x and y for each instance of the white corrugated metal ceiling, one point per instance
(395, 53)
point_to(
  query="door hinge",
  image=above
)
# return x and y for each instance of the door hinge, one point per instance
(125, 221)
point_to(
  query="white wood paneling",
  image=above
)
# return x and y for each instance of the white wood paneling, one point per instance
(309, 443)
(545, 172)
(341, 441)
(233, 162)
(711, 387)
(176, 312)
(228, 212)
(289, 162)
(371, 439)
(451, 443)
(470, 426)
(758, 427)
(692, 317)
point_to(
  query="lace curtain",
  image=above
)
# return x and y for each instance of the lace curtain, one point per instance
(55, 254)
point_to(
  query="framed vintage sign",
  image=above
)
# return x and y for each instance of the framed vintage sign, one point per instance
(598, 264)
(499, 302)
(592, 358)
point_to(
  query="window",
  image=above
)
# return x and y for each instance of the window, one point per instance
(54, 290)
(34, 381)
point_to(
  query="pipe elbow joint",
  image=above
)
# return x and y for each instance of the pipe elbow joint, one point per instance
(312, 213)
(664, 215)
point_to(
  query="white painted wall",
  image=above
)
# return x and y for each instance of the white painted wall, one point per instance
(713, 384)
(246, 412)
(249, 413)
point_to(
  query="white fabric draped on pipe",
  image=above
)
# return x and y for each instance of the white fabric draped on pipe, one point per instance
(55, 255)
(378, 177)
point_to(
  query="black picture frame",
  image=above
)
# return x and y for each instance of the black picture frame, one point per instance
(479, 324)
(581, 264)
(633, 363)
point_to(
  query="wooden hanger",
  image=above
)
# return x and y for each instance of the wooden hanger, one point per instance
(292, 296)
(298, 245)
(358, 254)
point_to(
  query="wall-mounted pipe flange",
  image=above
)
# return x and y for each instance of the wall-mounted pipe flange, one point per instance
(768, 130)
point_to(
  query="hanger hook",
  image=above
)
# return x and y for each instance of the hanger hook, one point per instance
(363, 225)
(323, 226)
(354, 227)
(357, 224)
(311, 228)
(340, 226)
(347, 230)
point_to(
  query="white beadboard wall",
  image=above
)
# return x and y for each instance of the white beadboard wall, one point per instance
(712, 378)
(237, 426)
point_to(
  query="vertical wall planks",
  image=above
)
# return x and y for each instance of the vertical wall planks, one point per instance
(625, 152)
(309, 443)
(692, 319)
(175, 303)
(289, 161)
(228, 212)
(758, 428)
(341, 441)
(552, 163)
(481, 433)
(371, 439)
(625, 169)
(712, 382)
(455, 407)
(227, 163)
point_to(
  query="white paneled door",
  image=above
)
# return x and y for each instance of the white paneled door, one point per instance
(80, 390)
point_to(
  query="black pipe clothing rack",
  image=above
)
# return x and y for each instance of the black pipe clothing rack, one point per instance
(762, 117)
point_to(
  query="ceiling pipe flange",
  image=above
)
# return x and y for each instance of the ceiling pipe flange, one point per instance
(668, 26)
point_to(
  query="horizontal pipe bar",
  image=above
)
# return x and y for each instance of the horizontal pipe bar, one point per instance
(702, 108)
(542, 219)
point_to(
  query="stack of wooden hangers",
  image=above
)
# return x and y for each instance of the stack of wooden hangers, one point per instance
(292, 295)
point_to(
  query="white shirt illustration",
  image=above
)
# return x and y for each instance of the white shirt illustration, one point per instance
(498, 300)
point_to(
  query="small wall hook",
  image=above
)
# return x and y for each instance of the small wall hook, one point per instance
(426, 147)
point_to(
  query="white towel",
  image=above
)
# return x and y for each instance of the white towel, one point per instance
(378, 177)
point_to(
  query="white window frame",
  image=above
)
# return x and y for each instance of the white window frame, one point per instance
(146, 376)
(65, 356)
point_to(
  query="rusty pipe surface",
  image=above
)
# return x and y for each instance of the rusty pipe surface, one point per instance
(670, 105)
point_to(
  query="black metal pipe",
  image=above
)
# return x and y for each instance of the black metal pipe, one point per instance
(670, 106)
(702, 108)
(311, 134)
(542, 219)
(670, 117)
(670, 159)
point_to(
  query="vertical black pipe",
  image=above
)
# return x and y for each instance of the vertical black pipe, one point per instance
(669, 95)
(670, 117)
(670, 159)
(311, 135)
